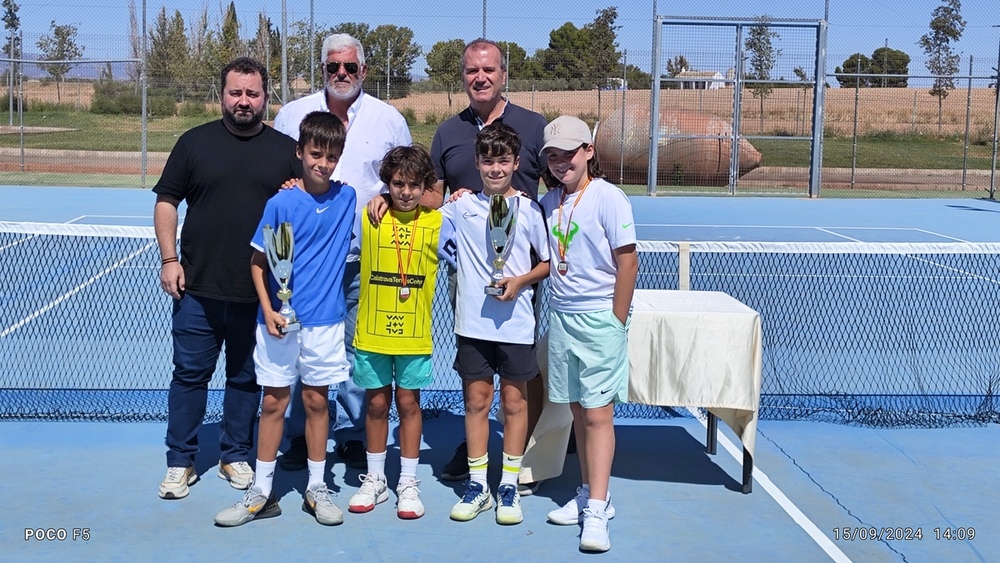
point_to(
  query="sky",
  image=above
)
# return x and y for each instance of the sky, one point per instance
(854, 26)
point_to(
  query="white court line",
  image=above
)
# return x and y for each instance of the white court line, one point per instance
(807, 525)
(932, 233)
(829, 232)
(74, 291)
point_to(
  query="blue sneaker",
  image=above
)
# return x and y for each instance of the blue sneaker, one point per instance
(508, 505)
(475, 500)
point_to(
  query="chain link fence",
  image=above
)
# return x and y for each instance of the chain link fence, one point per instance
(85, 128)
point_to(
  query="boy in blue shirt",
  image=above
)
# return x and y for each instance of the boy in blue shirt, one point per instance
(322, 215)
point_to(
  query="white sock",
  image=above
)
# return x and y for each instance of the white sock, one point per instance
(317, 472)
(511, 469)
(408, 469)
(478, 467)
(264, 476)
(597, 506)
(376, 464)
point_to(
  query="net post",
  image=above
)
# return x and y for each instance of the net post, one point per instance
(684, 266)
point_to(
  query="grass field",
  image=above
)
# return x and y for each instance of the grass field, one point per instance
(881, 150)
(897, 129)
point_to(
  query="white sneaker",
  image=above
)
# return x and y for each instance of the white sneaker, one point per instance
(508, 505)
(239, 474)
(175, 483)
(595, 531)
(319, 502)
(408, 505)
(476, 499)
(373, 491)
(571, 513)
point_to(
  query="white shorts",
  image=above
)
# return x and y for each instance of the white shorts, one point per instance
(315, 355)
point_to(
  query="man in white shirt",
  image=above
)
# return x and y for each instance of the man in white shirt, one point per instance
(373, 127)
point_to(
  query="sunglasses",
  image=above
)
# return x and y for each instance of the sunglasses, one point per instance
(334, 68)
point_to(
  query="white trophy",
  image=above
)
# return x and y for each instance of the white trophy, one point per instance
(280, 247)
(500, 225)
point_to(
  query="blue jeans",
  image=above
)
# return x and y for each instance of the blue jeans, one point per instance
(200, 327)
(349, 423)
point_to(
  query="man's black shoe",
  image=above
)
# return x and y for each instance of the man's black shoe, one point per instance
(458, 468)
(353, 453)
(297, 456)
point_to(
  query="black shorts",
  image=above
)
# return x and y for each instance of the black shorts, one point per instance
(480, 359)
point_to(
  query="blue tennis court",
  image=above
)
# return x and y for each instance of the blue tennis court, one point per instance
(862, 489)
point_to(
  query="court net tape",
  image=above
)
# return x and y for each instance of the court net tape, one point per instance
(886, 335)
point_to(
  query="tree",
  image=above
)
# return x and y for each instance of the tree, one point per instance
(518, 65)
(675, 66)
(228, 44)
(855, 64)
(168, 51)
(301, 55)
(886, 60)
(602, 57)
(266, 46)
(390, 55)
(763, 56)
(134, 42)
(201, 72)
(11, 23)
(60, 46)
(443, 65)
(564, 58)
(11, 46)
(800, 73)
(637, 78)
(946, 25)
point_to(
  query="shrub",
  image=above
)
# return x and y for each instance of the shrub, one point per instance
(161, 106)
(410, 115)
(191, 108)
(430, 118)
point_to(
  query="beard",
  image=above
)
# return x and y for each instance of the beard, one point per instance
(344, 95)
(242, 121)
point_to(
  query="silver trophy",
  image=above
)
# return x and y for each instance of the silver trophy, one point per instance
(500, 225)
(280, 249)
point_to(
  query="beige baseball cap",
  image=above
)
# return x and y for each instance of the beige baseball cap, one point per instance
(566, 133)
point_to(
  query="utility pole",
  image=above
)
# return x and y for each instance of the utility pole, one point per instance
(885, 61)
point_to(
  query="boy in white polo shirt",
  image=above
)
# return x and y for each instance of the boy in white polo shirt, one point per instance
(494, 315)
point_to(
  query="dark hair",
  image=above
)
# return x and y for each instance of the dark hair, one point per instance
(325, 130)
(593, 170)
(497, 139)
(244, 65)
(482, 41)
(411, 162)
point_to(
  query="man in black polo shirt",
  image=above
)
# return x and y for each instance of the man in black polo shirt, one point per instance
(484, 74)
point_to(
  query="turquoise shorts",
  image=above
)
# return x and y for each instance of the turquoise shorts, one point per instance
(373, 370)
(588, 358)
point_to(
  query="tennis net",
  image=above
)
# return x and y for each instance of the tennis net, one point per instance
(869, 334)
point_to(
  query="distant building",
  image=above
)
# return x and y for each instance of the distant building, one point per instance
(701, 80)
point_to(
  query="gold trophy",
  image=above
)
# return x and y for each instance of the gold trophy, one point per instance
(500, 226)
(280, 248)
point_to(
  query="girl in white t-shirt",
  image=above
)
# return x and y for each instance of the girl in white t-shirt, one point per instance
(594, 265)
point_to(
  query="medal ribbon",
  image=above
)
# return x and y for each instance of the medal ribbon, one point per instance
(563, 242)
(395, 239)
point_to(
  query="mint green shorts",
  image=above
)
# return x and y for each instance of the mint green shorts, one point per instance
(373, 370)
(588, 358)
